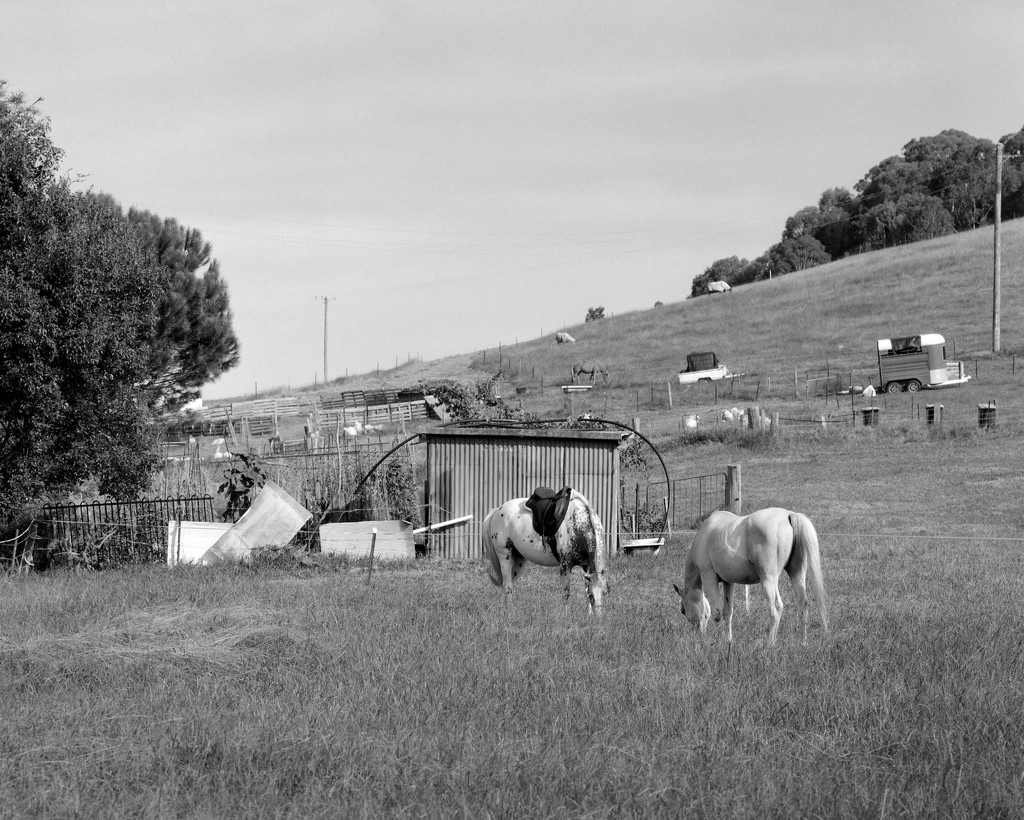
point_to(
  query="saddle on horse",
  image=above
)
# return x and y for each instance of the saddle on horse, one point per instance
(548, 508)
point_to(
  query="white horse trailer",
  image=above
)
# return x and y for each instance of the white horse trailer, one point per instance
(914, 362)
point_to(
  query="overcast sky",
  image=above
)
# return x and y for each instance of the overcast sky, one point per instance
(452, 175)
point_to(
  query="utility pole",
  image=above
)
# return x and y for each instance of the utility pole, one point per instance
(326, 300)
(997, 253)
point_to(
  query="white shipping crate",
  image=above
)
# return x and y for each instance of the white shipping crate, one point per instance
(196, 538)
(394, 540)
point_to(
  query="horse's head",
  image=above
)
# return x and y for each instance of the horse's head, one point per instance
(694, 605)
(597, 588)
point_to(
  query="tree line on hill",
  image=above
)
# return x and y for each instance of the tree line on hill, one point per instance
(108, 320)
(936, 186)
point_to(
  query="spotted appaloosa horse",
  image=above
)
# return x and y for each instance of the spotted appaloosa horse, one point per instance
(751, 549)
(509, 541)
(592, 370)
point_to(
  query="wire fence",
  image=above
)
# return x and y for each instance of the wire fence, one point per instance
(926, 411)
(16, 554)
(107, 533)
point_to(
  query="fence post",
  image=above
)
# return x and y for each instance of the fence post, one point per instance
(636, 514)
(373, 546)
(177, 537)
(30, 544)
(733, 488)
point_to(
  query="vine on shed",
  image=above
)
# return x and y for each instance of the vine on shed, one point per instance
(474, 402)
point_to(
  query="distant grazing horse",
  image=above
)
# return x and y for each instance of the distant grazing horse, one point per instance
(719, 287)
(592, 370)
(751, 549)
(510, 540)
(563, 338)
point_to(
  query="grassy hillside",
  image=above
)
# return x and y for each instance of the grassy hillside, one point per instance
(827, 316)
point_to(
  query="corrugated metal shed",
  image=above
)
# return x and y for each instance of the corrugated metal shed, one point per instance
(472, 470)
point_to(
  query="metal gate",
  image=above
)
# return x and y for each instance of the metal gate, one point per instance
(694, 498)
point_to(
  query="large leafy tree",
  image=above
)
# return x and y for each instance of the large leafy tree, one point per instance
(958, 169)
(835, 227)
(1013, 175)
(791, 255)
(830, 222)
(900, 197)
(877, 219)
(193, 342)
(937, 185)
(77, 302)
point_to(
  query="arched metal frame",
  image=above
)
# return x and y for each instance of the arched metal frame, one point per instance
(537, 423)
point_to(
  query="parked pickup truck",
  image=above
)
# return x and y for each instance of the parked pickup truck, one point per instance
(703, 367)
(914, 362)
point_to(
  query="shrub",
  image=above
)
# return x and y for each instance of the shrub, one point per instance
(241, 479)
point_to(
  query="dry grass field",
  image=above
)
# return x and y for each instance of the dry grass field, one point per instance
(288, 689)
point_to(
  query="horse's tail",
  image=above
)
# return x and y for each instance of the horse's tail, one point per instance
(596, 571)
(494, 568)
(806, 553)
(597, 528)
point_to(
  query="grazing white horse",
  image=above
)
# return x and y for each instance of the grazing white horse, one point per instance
(751, 549)
(564, 338)
(509, 541)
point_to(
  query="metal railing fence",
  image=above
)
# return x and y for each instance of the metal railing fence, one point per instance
(107, 533)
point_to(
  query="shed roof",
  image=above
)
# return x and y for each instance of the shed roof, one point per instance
(528, 433)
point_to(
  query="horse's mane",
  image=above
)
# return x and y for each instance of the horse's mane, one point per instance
(691, 572)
